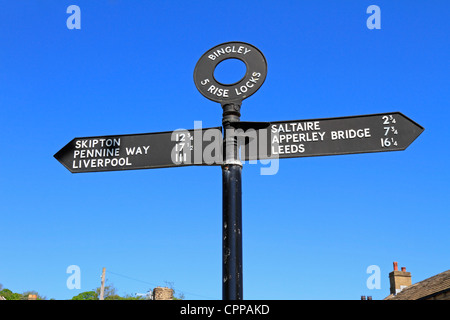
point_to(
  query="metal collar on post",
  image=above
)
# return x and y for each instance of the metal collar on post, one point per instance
(231, 114)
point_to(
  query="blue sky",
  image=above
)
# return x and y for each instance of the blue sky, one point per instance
(309, 232)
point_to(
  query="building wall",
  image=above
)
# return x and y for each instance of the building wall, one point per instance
(162, 293)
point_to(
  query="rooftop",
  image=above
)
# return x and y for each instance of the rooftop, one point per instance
(424, 289)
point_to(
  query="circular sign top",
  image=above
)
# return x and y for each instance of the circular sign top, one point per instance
(254, 77)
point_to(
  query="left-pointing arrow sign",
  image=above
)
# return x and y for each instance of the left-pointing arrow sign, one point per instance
(143, 151)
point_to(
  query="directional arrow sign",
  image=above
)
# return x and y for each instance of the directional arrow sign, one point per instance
(332, 136)
(143, 151)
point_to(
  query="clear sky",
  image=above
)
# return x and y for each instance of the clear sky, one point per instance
(309, 232)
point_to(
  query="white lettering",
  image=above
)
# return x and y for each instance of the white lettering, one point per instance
(220, 92)
(350, 134)
(227, 50)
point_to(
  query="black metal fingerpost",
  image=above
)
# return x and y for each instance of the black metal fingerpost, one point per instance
(230, 97)
(232, 207)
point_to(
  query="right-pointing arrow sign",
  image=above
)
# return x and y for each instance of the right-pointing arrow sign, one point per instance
(333, 136)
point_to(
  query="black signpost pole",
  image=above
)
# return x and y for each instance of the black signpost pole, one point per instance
(230, 97)
(232, 288)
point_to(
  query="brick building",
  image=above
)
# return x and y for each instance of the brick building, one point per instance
(433, 288)
(162, 293)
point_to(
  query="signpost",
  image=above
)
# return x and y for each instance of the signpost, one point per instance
(333, 136)
(140, 151)
(261, 140)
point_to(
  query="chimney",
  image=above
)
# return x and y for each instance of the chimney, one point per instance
(399, 279)
(162, 293)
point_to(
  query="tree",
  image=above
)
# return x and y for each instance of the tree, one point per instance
(9, 295)
(38, 296)
(109, 291)
(170, 285)
(88, 295)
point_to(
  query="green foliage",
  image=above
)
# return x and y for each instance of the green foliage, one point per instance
(88, 295)
(9, 295)
(38, 296)
(110, 293)
(127, 297)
